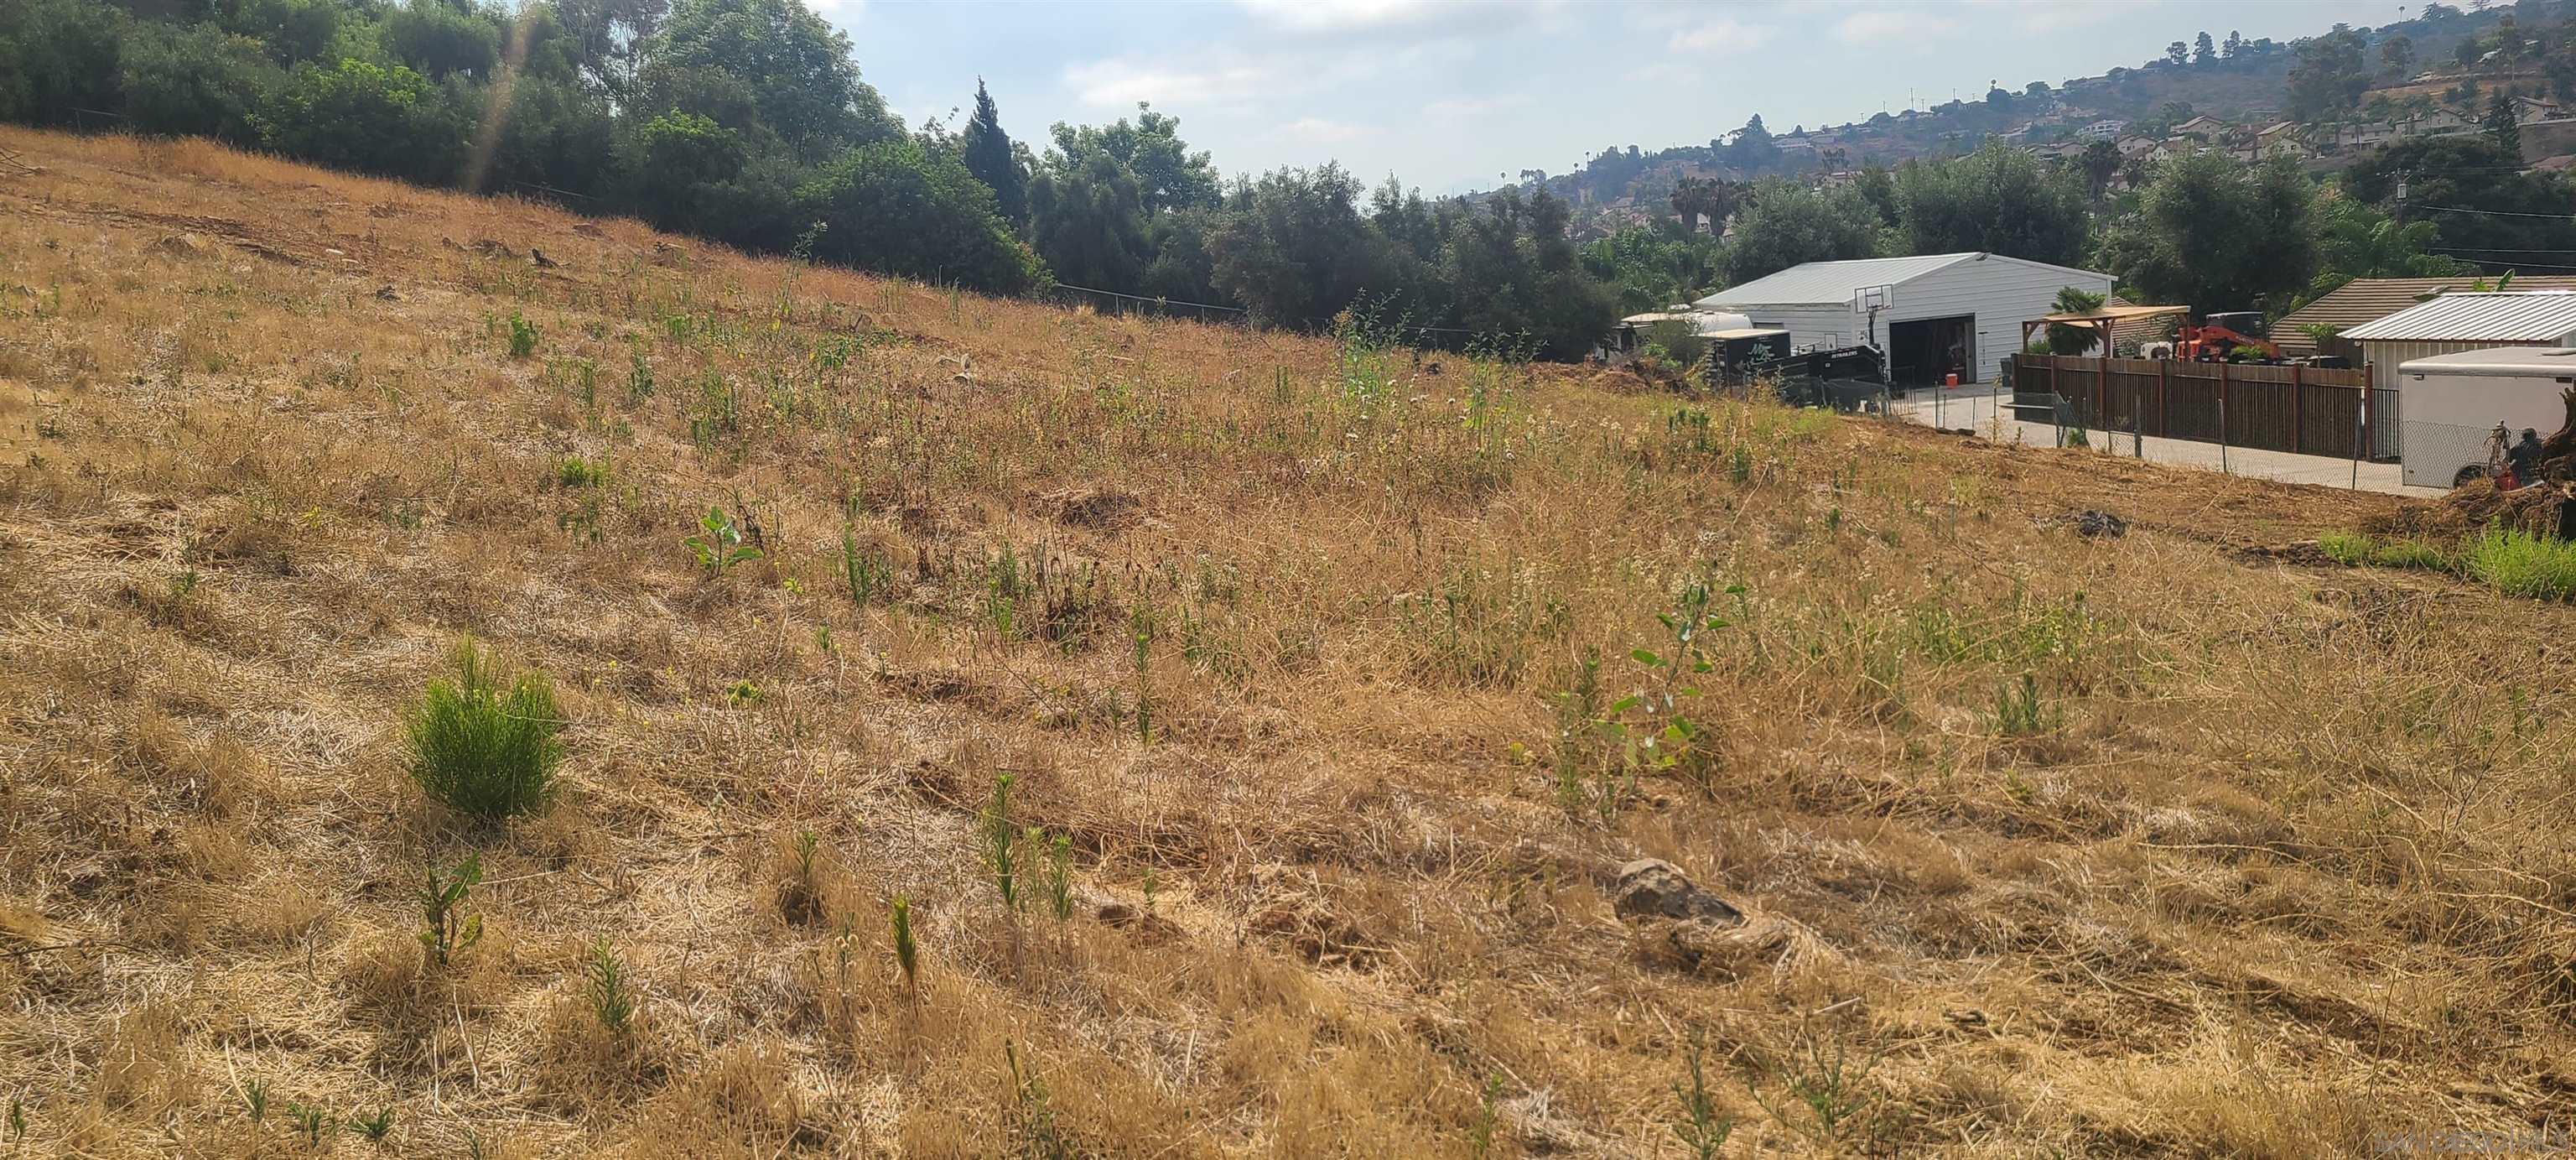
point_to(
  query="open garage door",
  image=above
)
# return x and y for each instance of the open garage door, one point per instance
(1921, 352)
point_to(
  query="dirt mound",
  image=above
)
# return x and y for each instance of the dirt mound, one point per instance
(1098, 508)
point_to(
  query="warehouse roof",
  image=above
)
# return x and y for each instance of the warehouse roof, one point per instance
(1836, 283)
(2371, 299)
(2508, 361)
(2506, 316)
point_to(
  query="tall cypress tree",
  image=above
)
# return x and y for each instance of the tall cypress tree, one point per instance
(989, 157)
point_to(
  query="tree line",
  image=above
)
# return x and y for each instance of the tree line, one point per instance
(747, 122)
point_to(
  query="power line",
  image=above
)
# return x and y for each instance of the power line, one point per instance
(1143, 298)
(2492, 212)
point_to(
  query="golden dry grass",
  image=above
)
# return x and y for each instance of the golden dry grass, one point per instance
(2289, 866)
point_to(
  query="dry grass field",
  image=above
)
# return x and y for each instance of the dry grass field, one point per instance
(2180, 842)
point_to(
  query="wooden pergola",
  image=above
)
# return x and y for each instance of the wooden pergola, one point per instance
(2102, 320)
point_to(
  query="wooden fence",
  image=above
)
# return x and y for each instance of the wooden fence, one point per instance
(2309, 410)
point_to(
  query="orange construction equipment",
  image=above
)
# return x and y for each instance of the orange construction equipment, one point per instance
(2219, 339)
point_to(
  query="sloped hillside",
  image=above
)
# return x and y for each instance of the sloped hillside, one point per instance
(1337, 690)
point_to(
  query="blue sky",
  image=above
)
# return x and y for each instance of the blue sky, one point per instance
(1453, 94)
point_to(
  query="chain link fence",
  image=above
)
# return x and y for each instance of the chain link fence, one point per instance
(2445, 454)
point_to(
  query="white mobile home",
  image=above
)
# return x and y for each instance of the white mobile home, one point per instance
(1934, 313)
(2452, 402)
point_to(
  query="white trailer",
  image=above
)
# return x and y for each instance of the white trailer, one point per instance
(2450, 405)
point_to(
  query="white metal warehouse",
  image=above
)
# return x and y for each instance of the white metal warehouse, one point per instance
(2451, 324)
(1935, 312)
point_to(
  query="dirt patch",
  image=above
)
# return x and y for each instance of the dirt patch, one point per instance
(1097, 508)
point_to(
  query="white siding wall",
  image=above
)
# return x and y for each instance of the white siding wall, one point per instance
(2002, 294)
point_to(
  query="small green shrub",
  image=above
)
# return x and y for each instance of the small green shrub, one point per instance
(2019, 712)
(2353, 549)
(255, 1098)
(1035, 1119)
(523, 336)
(611, 994)
(482, 748)
(576, 472)
(722, 545)
(864, 573)
(906, 954)
(2412, 554)
(2518, 563)
(1000, 838)
(312, 1123)
(376, 1127)
(2346, 548)
(1701, 1129)
(445, 927)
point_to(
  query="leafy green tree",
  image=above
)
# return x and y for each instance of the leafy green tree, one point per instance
(1696, 198)
(1087, 219)
(1510, 269)
(2500, 125)
(773, 59)
(2480, 203)
(195, 80)
(989, 156)
(2215, 234)
(1998, 200)
(1293, 247)
(386, 120)
(1654, 268)
(2204, 51)
(2073, 339)
(896, 207)
(1752, 149)
(605, 39)
(442, 40)
(293, 30)
(559, 134)
(678, 159)
(2356, 240)
(2329, 76)
(1168, 175)
(2178, 54)
(2397, 55)
(58, 57)
(1788, 224)
(2099, 163)
(1182, 270)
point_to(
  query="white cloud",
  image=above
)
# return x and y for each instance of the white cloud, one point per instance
(2056, 15)
(1217, 84)
(1340, 15)
(1723, 33)
(1470, 108)
(1882, 25)
(1317, 130)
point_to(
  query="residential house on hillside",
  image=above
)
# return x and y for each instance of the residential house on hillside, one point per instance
(2204, 126)
(2102, 130)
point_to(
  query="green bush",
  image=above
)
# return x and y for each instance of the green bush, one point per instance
(372, 119)
(196, 81)
(896, 208)
(482, 748)
(2518, 563)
